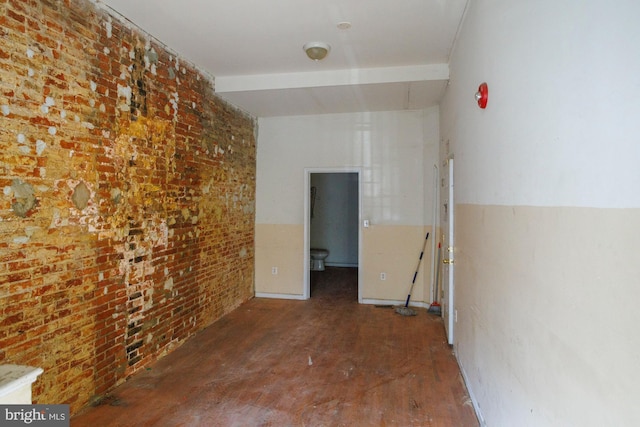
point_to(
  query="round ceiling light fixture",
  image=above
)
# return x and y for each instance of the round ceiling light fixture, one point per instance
(316, 50)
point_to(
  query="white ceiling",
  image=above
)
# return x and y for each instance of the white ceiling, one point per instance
(393, 57)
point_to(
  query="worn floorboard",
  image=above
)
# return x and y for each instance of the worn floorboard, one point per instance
(327, 361)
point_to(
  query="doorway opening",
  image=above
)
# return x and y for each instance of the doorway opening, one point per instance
(332, 223)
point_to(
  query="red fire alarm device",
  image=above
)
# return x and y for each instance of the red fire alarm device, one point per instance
(482, 95)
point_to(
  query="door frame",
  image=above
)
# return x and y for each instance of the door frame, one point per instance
(306, 294)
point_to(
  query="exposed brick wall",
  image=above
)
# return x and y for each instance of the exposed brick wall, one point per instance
(127, 212)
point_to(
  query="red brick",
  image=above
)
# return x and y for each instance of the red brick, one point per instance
(15, 16)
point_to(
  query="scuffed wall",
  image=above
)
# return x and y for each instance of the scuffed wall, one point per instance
(127, 212)
(547, 211)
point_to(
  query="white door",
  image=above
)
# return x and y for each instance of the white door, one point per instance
(448, 309)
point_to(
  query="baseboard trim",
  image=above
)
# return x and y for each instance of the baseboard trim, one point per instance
(369, 301)
(394, 302)
(279, 296)
(474, 402)
(340, 264)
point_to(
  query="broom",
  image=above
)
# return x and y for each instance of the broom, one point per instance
(435, 308)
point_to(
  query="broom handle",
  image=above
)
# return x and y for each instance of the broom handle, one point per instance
(437, 275)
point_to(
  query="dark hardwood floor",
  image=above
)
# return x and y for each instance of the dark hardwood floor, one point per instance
(327, 361)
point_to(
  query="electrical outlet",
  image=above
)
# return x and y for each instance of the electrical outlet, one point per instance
(274, 270)
(383, 276)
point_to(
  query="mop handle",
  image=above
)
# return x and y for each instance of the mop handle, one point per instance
(424, 245)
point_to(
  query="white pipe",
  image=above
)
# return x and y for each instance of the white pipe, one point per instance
(436, 203)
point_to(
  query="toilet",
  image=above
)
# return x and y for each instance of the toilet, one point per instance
(317, 258)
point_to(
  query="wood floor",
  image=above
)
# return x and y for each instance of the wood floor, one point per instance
(327, 361)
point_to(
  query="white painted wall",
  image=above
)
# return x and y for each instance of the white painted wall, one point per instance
(389, 146)
(562, 127)
(547, 198)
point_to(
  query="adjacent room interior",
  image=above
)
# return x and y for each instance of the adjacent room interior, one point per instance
(333, 224)
(243, 191)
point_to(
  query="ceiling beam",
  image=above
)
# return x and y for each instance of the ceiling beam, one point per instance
(414, 73)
